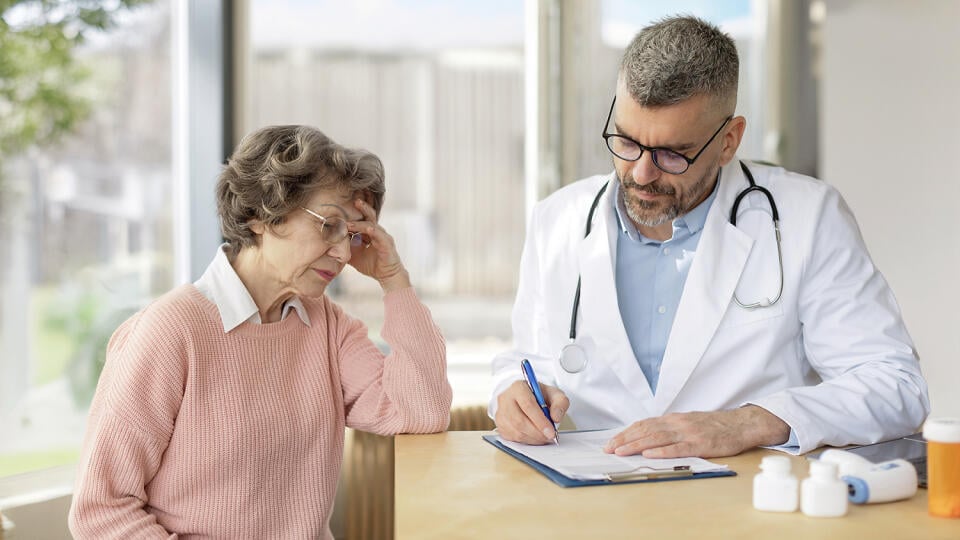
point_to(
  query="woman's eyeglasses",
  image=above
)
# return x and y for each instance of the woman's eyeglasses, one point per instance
(333, 230)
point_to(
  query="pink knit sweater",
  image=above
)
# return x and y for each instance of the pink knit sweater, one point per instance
(194, 432)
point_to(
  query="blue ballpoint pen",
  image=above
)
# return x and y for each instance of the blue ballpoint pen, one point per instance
(535, 388)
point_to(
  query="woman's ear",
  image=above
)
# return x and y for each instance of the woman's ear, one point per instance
(257, 226)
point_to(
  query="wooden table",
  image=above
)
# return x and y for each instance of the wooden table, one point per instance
(456, 485)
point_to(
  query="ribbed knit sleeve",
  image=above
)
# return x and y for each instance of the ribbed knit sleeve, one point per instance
(131, 419)
(405, 391)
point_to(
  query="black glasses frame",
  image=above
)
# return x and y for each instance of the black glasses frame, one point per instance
(655, 149)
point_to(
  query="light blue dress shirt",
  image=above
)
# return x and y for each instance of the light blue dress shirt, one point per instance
(650, 276)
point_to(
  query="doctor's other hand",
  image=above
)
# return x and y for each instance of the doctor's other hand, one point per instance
(520, 419)
(376, 256)
(701, 434)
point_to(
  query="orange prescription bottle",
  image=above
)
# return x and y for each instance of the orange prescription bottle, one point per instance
(943, 466)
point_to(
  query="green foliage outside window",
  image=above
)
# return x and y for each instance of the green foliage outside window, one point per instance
(40, 79)
(44, 95)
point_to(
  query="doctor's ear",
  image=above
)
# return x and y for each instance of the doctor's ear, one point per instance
(731, 139)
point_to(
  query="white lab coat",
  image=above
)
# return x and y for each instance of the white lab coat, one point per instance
(832, 358)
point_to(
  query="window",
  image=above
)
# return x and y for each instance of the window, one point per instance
(436, 89)
(86, 234)
(592, 38)
(442, 91)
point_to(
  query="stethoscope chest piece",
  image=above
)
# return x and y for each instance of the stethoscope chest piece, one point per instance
(573, 359)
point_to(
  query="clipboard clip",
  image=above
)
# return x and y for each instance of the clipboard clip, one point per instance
(650, 474)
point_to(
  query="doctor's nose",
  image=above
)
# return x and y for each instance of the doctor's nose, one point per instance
(643, 171)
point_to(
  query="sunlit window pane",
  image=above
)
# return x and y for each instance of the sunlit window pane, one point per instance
(85, 226)
(606, 27)
(436, 89)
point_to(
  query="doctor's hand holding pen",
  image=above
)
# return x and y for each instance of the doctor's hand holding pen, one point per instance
(520, 418)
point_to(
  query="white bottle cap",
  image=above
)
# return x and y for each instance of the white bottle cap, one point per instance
(945, 430)
(823, 469)
(775, 464)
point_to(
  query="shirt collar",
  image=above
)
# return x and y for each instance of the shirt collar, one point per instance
(691, 222)
(695, 219)
(221, 284)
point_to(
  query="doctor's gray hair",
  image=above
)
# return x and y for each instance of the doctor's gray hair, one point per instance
(276, 169)
(680, 57)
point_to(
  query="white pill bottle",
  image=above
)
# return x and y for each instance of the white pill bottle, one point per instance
(823, 494)
(775, 488)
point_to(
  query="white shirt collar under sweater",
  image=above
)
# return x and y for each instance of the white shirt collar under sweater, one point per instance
(222, 286)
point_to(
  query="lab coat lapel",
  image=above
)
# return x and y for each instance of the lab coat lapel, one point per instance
(720, 259)
(600, 320)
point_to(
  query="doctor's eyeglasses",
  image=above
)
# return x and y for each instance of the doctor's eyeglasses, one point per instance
(666, 160)
(333, 230)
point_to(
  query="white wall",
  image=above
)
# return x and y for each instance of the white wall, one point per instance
(890, 141)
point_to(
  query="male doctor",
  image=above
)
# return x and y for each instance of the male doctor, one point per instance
(688, 331)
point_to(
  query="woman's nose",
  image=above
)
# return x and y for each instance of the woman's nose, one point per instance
(341, 250)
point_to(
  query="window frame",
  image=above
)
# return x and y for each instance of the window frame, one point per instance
(201, 35)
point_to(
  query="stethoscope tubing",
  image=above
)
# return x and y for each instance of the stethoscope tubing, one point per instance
(766, 302)
(775, 215)
(576, 297)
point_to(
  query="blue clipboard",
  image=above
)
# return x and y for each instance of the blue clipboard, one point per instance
(565, 481)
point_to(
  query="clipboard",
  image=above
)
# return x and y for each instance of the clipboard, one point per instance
(565, 481)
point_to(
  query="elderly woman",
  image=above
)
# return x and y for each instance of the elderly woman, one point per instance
(221, 409)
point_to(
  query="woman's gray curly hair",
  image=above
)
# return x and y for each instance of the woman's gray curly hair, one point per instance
(276, 169)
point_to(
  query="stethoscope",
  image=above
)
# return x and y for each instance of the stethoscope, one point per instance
(573, 358)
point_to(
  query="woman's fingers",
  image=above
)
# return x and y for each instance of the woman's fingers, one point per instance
(368, 226)
(382, 262)
(369, 214)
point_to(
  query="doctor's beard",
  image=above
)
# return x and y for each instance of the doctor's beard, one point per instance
(667, 207)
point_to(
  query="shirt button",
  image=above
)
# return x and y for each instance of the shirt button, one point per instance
(666, 251)
(661, 309)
